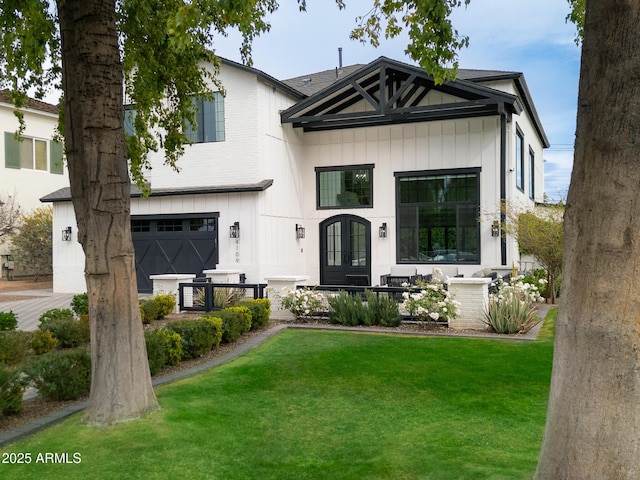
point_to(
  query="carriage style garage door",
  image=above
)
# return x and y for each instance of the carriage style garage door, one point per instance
(173, 244)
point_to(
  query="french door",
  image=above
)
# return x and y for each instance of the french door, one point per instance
(345, 251)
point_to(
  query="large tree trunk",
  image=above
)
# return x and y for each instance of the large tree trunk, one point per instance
(121, 386)
(593, 421)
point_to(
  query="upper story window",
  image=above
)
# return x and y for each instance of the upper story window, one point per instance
(130, 113)
(209, 120)
(32, 154)
(437, 216)
(519, 159)
(344, 187)
(532, 175)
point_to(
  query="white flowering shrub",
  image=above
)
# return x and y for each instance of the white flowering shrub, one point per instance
(512, 305)
(432, 303)
(303, 302)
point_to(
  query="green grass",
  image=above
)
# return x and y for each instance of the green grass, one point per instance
(334, 405)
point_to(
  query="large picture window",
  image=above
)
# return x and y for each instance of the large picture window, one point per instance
(345, 187)
(437, 216)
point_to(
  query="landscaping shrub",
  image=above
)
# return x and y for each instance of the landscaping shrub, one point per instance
(56, 314)
(163, 348)
(383, 310)
(512, 306)
(157, 308)
(150, 310)
(174, 347)
(197, 336)
(62, 374)
(235, 322)
(260, 311)
(539, 278)
(167, 303)
(302, 302)
(156, 350)
(8, 321)
(43, 341)
(13, 346)
(80, 304)
(348, 309)
(11, 390)
(433, 303)
(63, 326)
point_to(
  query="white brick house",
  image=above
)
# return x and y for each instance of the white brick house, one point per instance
(379, 166)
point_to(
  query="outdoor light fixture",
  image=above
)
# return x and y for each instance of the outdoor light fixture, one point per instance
(234, 230)
(495, 228)
(299, 231)
(66, 234)
(382, 230)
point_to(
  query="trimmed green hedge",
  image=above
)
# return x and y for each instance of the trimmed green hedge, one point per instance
(260, 311)
(157, 308)
(62, 374)
(235, 322)
(64, 327)
(164, 348)
(197, 336)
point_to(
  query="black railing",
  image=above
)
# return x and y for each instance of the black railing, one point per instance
(203, 294)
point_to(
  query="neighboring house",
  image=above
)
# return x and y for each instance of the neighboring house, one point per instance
(339, 176)
(32, 166)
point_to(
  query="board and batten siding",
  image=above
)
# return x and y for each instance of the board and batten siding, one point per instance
(437, 145)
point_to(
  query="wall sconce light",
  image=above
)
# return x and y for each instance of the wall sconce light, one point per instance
(495, 228)
(299, 231)
(382, 230)
(66, 234)
(234, 230)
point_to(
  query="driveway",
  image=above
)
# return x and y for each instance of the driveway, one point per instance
(29, 300)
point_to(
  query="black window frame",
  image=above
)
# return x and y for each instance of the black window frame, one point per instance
(446, 204)
(344, 168)
(532, 174)
(207, 131)
(519, 158)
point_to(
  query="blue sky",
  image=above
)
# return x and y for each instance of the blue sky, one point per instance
(514, 35)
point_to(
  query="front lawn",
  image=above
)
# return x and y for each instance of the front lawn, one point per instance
(334, 405)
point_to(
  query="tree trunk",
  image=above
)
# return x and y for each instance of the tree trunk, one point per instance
(121, 386)
(593, 420)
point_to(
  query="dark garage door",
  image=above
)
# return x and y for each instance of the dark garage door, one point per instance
(173, 244)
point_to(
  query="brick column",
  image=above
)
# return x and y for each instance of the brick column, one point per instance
(473, 295)
(168, 283)
(278, 285)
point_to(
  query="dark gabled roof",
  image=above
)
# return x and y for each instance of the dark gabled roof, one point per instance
(265, 77)
(332, 92)
(31, 103)
(314, 82)
(392, 92)
(482, 76)
(64, 194)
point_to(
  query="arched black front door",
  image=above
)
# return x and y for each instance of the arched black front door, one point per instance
(345, 251)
